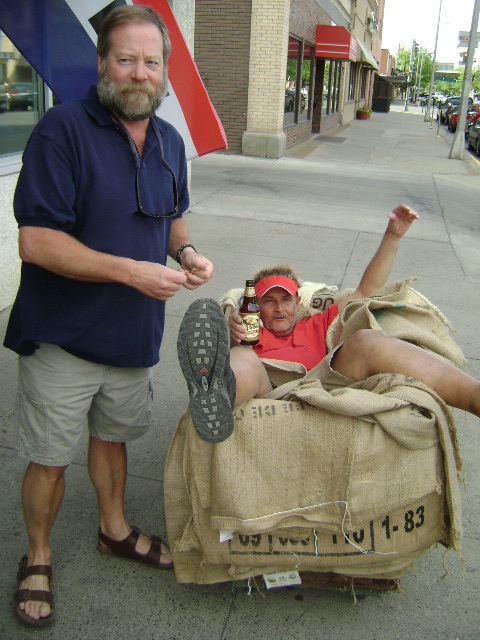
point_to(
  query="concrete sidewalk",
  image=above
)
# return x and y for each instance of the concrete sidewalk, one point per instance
(323, 208)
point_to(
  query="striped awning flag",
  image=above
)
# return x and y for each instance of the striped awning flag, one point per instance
(58, 39)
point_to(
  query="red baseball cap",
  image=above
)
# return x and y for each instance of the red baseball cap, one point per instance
(265, 284)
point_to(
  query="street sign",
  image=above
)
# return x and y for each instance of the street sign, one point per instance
(464, 39)
(446, 76)
(8, 55)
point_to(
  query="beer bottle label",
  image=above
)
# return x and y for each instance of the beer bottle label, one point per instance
(251, 322)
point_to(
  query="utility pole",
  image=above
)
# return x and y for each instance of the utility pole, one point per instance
(410, 67)
(418, 75)
(427, 117)
(458, 145)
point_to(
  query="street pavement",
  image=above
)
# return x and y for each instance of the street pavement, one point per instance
(323, 208)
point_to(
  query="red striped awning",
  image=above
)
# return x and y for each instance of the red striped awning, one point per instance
(335, 43)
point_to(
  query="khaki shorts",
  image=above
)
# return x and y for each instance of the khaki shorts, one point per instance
(60, 394)
(329, 378)
(286, 376)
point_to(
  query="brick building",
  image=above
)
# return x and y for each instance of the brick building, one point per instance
(279, 71)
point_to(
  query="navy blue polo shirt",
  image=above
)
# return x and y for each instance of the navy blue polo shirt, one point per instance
(78, 176)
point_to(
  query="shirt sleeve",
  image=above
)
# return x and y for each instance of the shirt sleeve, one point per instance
(45, 192)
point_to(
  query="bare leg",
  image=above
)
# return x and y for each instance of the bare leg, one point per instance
(250, 375)
(42, 494)
(369, 352)
(107, 465)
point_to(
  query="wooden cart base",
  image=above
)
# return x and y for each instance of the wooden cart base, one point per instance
(316, 580)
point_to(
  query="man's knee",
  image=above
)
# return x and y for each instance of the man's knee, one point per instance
(250, 374)
(240, 355)
(353, 359)
(364, 339)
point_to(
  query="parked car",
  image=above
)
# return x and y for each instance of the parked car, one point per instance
(3, 97)
(471, 120)
(473, 139)
(20, 95)
(453, 117)
(471, 112)
(444, 106)
(438, 98)
(454, 105)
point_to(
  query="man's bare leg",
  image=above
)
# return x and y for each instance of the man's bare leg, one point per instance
(42, 493)
(369, 352)
(107, 465)
(250, 374)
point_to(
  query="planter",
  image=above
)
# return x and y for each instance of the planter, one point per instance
(363, 115)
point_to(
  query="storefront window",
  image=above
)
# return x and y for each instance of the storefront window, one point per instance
(352, 81)
(331, 86)
(306, 82)
(363, 83)
(21, 94)
(298, 81)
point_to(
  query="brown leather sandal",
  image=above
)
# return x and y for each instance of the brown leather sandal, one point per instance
(126, 549)
(24, 595)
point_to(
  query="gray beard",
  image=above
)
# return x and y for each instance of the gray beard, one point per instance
(126, 102)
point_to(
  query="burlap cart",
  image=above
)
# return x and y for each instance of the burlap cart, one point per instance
(358, 482)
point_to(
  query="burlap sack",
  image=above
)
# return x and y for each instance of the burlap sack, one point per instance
(404, 313)
(360, 481)
(371, 494)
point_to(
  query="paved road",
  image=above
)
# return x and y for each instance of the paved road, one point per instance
(323, 208)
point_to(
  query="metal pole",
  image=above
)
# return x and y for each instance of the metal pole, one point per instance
(419, 81)
(417, 75)
(434, 60)
(408, 76)
(458, 145)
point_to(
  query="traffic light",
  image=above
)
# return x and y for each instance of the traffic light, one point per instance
(415, 48)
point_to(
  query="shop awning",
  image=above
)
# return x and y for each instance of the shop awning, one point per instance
(366, 55)
(335, 43)
(393, 79)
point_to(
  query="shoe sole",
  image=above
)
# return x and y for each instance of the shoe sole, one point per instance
(203, 347)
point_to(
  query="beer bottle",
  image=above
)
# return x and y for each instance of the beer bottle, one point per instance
(250, 314)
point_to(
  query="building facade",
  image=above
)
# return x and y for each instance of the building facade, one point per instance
(278, 72)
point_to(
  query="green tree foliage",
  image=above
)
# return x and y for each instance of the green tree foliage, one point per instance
(421, 68)
(455, 88)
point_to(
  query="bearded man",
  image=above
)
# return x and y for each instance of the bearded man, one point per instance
(99, 205)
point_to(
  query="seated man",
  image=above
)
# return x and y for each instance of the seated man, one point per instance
(219, 378)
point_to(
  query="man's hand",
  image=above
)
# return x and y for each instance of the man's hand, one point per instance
(197, 269)
(236, 327)
(401, 220)
(156, 281)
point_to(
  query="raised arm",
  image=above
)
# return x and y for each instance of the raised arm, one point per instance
(379, 267)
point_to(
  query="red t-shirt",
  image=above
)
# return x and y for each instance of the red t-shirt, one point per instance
(306, 344)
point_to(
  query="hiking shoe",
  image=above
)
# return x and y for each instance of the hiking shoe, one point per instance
(203, 348)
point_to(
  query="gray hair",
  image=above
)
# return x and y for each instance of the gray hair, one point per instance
(127, 15)
(278, 270)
